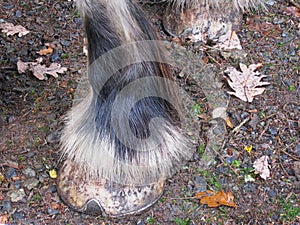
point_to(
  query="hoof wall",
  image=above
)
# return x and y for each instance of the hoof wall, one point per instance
(101, 197)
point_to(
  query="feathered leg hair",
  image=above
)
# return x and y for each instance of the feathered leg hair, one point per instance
(124, 139)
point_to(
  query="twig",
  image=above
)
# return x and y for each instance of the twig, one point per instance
(264, 131)
(240, 125)
(295, 3)
(293, 157)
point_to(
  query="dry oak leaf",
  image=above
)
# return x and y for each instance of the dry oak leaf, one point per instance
(229, 41)
(4, 219)
(261, 167)
(213, 199)
(247, 83)
(11, 29)
(39, 70)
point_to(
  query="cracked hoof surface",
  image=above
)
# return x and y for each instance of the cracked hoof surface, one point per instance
(101, 197)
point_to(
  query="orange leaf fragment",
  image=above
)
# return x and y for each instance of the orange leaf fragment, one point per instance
(45, 51)
(213, 199)
(228, 122)
(3, 219)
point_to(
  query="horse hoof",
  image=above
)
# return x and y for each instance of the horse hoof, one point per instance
(201, 24)
(88, 195)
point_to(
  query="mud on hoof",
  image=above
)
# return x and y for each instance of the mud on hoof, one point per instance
(99, 197)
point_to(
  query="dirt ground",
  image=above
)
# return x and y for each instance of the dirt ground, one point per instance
(31, 118)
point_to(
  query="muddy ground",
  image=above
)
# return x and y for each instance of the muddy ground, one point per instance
(31, 118)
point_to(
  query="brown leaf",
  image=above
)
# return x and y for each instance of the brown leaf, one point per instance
(3, 219)
(261, 167)
(228, 122)
(213, 199)
(45, 51)
(229, 41)
(11, 29)
(247, 83)
(39, 70)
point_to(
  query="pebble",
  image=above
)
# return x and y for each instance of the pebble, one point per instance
(52, 189)
(297, 150)
(30, 154)
(7, 6)
(52, 137)
(38, 166)
(140, 222)
(52, 211)
(31, 183)
(28, 172)
(272, 193)
(6, 206)
(17, 184)
(16, 195)
(249, 187)
(272, 131)
(18, 215)
(10, 173)
(18, 13)
(199, 183)
(54, 57)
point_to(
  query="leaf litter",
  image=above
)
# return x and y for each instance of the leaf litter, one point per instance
(11, 29)
(40, 70)
(212, 199)
(261, 166)
(247, 83)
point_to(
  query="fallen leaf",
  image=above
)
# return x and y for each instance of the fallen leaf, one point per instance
(11, 29)
(246, 84)
(229, 41)
(45, 51)
(39, 70)
(248, 149)
(4, 219)
(261, 167)
(212, 199)
(53, 173)
(228, 122)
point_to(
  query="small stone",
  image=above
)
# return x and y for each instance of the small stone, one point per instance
(200, 184)
(10, 173)
(140, 222)
(52, 137)
(6, 206)
(65, 43)
(297, 150)
(7, 6)
(11, 119)
(30, 154)
(38, 166)
(52, 211)
(18, 215)
(54, 57)
(28, 172)
(18, 13)
(17, 184)
(272, 131)
(16, 195)
(52, 189)
(272, 193)
(31, 183)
